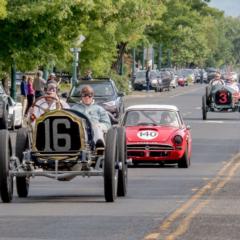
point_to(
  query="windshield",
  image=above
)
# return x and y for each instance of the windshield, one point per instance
(100, 90)
(151, 117)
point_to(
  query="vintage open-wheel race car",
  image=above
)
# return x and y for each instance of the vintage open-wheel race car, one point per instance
(220, 98)
(60, 146)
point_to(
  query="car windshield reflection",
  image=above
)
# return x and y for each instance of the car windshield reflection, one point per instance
(151, 118)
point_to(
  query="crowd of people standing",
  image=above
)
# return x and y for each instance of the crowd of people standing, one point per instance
(31, 88)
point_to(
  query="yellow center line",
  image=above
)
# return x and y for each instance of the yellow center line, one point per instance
(178, 212)
(184, 224)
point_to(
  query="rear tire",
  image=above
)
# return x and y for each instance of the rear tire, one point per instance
(110, 172)
(22, 143)
(122, 158)
(6, 180)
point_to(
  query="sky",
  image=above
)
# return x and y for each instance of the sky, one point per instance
(230, 7)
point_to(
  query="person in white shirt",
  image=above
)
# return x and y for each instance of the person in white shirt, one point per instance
(217, 80)
(50, 101)
(230, 83)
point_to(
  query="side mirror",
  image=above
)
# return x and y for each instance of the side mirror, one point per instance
(121, 94)
(188, 127)
(64, 95)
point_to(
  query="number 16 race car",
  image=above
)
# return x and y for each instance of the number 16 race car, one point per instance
(220, 98)
(157, 134)
(60, 146)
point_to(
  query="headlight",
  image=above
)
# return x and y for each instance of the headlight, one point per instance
(154, 81)
(178, 140)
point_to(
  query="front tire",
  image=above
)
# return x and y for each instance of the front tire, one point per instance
(110, 172)
(204, 108)
(122, 158)
(184, 162)
(4, 119)
(22, 143)
(6, 180)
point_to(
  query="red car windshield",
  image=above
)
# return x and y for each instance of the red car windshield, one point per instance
(151, 117)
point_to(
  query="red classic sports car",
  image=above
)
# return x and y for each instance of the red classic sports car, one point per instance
(157, 134)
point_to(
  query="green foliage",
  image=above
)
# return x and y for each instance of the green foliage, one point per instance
(122, 82)
(3, 10)
(41, 32)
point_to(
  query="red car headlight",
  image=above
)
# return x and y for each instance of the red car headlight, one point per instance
(178, 140)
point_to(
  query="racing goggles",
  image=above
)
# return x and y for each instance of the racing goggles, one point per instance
(90, 95)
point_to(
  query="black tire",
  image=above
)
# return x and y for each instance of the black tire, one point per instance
(184, 162)
(204, 108)
(110, 171)
(6, 180)
(122, 158)
(22, 143)
(4, 119)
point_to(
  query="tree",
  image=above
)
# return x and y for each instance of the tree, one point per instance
(3, 11)
(38, 32)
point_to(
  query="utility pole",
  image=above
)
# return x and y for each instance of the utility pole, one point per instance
(13, 80)
(160, 56)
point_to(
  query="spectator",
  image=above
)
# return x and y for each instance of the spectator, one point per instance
(148, 78)
(88, 75)
(30, 93)
(24, 91)
(38, 84)
(52, 79)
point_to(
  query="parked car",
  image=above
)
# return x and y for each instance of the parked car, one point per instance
(106, 94)
(164, 81)
(15, 117)
(157, 134)
(140, 80)
(173, 82)
(4, 108)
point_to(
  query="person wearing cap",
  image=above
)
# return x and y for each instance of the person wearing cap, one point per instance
(52, 79)
(50, 101)
(38, 84)
(97, 115)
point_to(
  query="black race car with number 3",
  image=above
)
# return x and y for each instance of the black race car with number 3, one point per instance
(220, 98)
(60, 146)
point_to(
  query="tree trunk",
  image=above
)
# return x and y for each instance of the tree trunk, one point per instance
(121, 49)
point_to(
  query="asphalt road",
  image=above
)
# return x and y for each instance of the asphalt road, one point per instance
(201, 202)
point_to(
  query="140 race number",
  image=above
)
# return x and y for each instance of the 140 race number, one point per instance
(147, 134)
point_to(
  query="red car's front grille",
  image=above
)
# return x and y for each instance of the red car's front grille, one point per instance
(150, 154)
(149, 147)
(135, 154)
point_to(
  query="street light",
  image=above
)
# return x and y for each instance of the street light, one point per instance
(76, 52)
